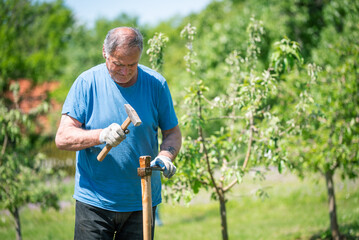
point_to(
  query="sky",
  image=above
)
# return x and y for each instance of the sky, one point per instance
(148, 11)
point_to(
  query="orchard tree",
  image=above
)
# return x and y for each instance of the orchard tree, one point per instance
(305, 108)
(330, 143)
(247, 130)
(23, 177)
(32, 36)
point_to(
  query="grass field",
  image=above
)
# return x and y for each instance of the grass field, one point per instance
(294, 209)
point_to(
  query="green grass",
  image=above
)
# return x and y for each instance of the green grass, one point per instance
(294, 210)
(41, 225)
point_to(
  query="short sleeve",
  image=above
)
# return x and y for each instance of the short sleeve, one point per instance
(75, 103)
(167, 115)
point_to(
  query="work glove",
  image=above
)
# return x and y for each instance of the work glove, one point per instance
(166, 164)
(112, 135)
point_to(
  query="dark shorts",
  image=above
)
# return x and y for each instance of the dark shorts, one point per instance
(96, 223)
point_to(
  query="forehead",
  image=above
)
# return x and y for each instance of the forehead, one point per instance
(133, 53)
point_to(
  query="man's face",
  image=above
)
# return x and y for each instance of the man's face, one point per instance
(122, 66)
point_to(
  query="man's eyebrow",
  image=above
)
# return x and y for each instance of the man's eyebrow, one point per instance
(118, 63)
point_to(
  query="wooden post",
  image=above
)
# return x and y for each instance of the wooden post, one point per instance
(145, 162)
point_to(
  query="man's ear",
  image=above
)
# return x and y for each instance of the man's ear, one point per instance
(103, 52)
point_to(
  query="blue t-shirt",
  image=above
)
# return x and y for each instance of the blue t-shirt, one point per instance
(96, 101)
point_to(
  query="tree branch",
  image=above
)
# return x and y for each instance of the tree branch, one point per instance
(4, 145)
(250, 141)
(248, 154)
(201, 135)
(226, 117)
(226, 189)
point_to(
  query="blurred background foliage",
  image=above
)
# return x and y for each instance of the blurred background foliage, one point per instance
(42, 41)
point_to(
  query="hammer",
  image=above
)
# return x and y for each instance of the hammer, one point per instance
(132, 117)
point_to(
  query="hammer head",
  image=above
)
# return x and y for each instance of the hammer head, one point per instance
(135, 119)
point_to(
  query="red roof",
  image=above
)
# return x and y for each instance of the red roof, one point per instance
(31, 96)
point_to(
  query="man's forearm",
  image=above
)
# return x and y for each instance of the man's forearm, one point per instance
(171, 143)
(77, 139)
(70, 136)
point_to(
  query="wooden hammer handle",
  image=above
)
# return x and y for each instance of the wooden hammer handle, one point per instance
(101, 156)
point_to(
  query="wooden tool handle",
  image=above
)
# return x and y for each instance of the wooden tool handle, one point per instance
(101, 156)
(146, 199)
(125, 124)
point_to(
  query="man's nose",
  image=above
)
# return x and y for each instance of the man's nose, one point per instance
(124, 70)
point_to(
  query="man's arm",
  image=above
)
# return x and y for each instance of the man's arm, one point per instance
(70, 136)
(171, 142)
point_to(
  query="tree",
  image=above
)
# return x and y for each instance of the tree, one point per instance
(23, 177)
(330, 143)
(320, 134)
(247, 129)
(326, 138)
(32, 36)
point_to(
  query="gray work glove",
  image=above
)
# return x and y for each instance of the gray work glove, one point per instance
(166, 164)
(112, 135)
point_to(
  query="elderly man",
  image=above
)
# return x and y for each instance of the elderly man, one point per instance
(108, 193)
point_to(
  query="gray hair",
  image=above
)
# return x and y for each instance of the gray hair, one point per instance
(115, 38)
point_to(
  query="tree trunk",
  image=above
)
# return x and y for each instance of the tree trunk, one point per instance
(222, 203)
(334, 228)
(15, 214)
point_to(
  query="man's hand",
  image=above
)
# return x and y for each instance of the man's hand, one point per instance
(165, 163)
(112, 135)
